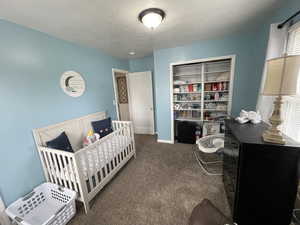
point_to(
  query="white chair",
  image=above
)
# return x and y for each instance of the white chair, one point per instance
(209, 153)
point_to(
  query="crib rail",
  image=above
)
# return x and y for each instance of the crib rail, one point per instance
(105, 157)
(116, 124)
(60, 168)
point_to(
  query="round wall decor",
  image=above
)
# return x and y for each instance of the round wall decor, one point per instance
(72, 83)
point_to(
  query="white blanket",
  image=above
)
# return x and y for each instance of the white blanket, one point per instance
(103, 155)
(94, 160)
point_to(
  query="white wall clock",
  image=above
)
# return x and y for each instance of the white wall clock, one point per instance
(72, 83)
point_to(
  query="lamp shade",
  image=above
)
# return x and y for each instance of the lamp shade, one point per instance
(282, 76)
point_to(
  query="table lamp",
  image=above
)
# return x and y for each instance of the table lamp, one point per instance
(282, 80)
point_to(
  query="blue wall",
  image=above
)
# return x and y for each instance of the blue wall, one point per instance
(142, 64)
(31, 64)
(249, 53)
(249, 48)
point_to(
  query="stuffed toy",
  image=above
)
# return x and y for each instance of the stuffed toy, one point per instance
(90, 138)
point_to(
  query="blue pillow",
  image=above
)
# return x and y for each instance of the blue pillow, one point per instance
(61, 142)
(102, 127)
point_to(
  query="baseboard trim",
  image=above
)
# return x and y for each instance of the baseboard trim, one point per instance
(165, 141)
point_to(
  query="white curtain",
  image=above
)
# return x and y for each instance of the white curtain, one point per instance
(276, 48)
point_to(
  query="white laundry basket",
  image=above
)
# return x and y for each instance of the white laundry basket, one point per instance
(48, 204)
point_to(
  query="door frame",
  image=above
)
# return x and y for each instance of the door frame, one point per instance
(233, 61)
(152, 93)
(116, 100)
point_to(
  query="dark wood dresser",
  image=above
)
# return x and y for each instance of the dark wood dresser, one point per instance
(260, 179)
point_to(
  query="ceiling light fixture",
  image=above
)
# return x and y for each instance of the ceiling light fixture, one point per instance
(131, 53)
(152, 17)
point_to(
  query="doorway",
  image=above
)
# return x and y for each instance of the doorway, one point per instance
(134, 99)
(141, 102)
(121, 94)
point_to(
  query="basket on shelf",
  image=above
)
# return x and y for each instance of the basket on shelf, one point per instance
(47, 204)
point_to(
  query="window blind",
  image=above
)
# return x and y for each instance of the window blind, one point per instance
(291, 106)
(294, 40)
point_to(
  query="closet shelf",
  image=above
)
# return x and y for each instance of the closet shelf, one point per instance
(220, 71)
(188, 119)
(216, 81)
(195, 92)
(187, 75)
(187, 110)
(196, 82)
(215, 110)
(195, 101)
(202, 82)
(216, 91)
(216, 100)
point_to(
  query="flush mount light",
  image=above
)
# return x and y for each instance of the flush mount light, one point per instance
(131, 53)
(152, 17)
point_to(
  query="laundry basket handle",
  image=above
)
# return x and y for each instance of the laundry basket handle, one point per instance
(20, 220)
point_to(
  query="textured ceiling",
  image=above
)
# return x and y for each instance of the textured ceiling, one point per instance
(112, 25)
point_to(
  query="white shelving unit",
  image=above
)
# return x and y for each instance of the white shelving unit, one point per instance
(201, 90)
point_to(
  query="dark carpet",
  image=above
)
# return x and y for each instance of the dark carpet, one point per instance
(160, 187)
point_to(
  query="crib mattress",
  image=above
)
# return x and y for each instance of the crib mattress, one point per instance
(94, 160)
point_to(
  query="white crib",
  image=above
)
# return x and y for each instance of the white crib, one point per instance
(88, 169)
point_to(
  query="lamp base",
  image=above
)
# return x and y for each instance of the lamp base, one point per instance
(273, 134)
(271, 137)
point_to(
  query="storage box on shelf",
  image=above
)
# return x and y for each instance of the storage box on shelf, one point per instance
(202, 91)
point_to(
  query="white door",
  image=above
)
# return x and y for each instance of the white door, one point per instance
(141, 102)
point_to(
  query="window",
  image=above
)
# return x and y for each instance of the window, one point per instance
(294, 40)
(291, 107)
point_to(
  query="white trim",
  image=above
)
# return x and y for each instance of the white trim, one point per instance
(115, 101)
(203, 60)
(232, 69)
(165, 141)
(232, 72)
(171, 102)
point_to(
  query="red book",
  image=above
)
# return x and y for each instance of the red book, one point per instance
(190, 87)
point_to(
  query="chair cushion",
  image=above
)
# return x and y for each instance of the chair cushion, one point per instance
(61, 142)
(102, 127)
(206, 213)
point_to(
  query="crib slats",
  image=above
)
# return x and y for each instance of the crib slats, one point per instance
(49, 169)
(66, 173)
(101, 160)
(52, 167)
(98, 169)
(105, 158)
(62, 170)
(74, 177)
(88, 175)
(115, 150)
(107, 144)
